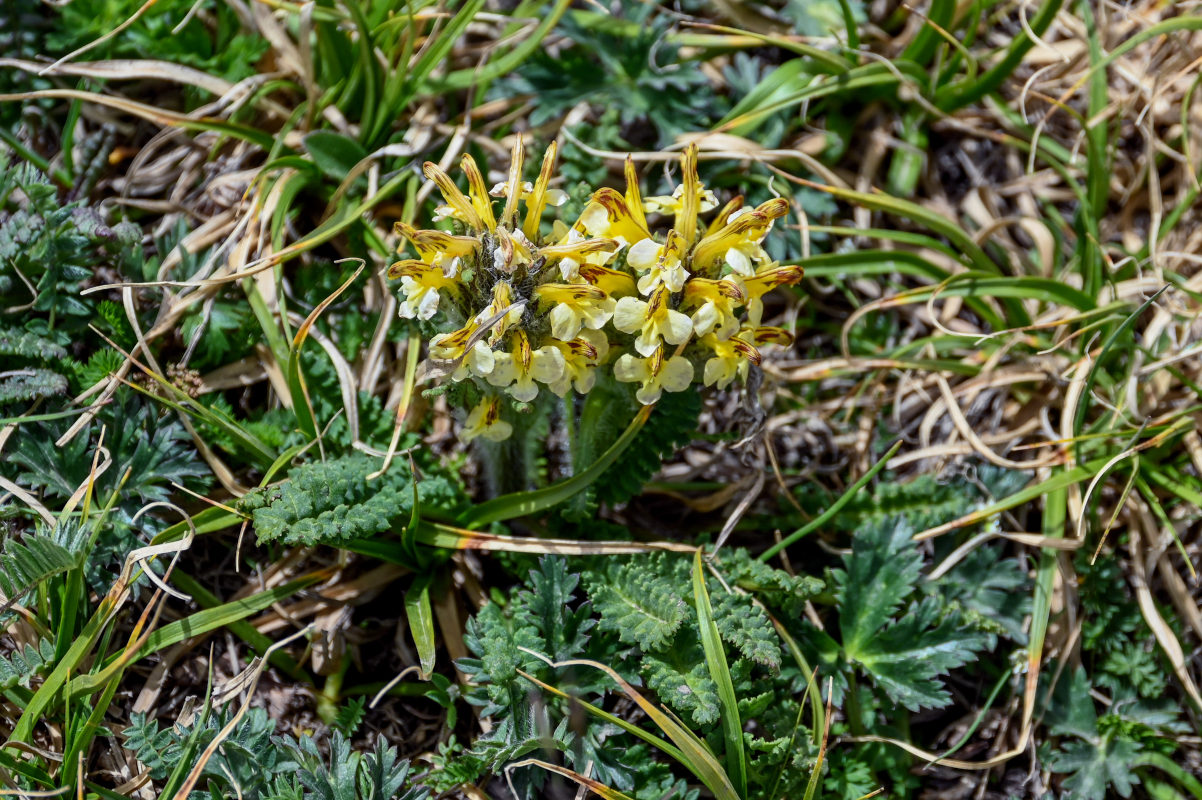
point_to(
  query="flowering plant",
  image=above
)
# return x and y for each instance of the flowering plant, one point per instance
(519, 309)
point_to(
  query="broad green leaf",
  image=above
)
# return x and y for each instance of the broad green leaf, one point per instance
(334, 154)
(421, 621)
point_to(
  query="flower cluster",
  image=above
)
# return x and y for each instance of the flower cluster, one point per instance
(519, 309)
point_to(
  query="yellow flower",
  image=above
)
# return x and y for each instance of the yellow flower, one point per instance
(688, 200)
(575, 306)
(574, 249)
(715, 303)
(738, 242)
(580, 358)
(511, 250)
(661, 264)
(764, 281)
(607, 215)
(439, 248)
(458, 206)
(518, 370)
(732, 359)
(655, 373)
(485, 421)
(421, 284)
(466, 348)
(537, 195)
(723, 216)
(610, 281)
(555, 197)
(653, 321)
(502, 301)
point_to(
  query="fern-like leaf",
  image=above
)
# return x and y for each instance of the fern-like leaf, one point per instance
(640, 601)
(24, 385)
(745, 626)
(25, 564)
(671, 426)
(681, 678)
(27, 344)
(20, 666)
(334, 502)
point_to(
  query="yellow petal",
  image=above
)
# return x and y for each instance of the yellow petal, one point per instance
(478, 191)
(686, 220)
(455, 198)
(676, 374)
(634, 199)
(515, 183)
(537, 200)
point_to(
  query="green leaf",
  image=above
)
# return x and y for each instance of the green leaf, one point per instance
(21, 666)
(881, 572)
(903, 657)
(681, 678)
(547, 607)
(334, 154)
(26, 344)
(1097, 766)
(24, 385)
(719, 669)
(334, 503)
(906, 658)
(635, 601)
(421, 622)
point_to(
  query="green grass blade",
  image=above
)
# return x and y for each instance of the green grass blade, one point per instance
(843, 500)
(719, 669)
(462, 79)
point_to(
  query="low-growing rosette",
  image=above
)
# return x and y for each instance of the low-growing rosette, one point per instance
(514, 306)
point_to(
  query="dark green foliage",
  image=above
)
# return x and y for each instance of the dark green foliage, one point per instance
(681, 678)
(635, 603)
(350, 716)
(904, 653)
(25, 354)
(1108, 753)
(19, 667)
(347, 774)
(113, 320)
(154, 450)
(53, 246)
(640, 621)
(1096, 758)
(23, 385)
(334, 502)
(99, 366)
(672, 424)
(214, 43)
(245, 762)
(253, 764)
(27, 344)
(924, 501)
(634, 71)
(992, 592)
(219, 333)
(27, 562)
(784, 593)
(608, 410)
(23, 26)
